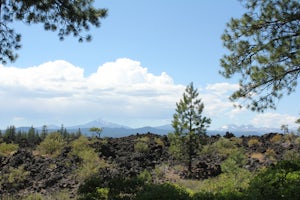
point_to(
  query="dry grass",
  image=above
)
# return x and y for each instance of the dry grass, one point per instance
(276, 138)
(258, 156)
(253, 142)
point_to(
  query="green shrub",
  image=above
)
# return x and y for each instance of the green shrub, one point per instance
(270, 154)
(218, 196)
(225, 184)
(297, 140)
(15, 176)
(160, 171)
(235, 161)
(223, 147)
(277, 182)
(118, 188)
(79, 145)
(165, 191)
(145, 176)
(290, 137)
(253, 142)
(88, 189)
(102, 193)
(35, 196)
(141, 147)
(91, 162)
(8, 149)
(291, 155)
(52, 145)
(90, 165)
(159, 142)
(236, 140)
(144, 139)
(60, 195)
(175, 148)
(8, 197)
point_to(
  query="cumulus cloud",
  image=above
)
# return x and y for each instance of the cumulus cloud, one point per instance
(123, 90)
(216, 99)
(222, 89)
(270, 119)
(60, 90)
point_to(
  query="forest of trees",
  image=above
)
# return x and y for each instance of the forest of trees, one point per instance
(33, 137)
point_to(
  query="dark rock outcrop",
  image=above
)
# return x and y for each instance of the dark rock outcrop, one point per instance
(46, 175)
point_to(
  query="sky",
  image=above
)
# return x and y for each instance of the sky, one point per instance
(133, 71)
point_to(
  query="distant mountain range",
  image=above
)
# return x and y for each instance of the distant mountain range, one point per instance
(111, 129)
(247, 130)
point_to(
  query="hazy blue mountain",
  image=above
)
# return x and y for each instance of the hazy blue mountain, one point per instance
(100, 123)
(247, 129)
(111, 129)
(165, 127)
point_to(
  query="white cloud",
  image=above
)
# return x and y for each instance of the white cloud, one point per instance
(50, 76)
(222, 89)
(216, 99)
(127, 75)
(273, 120)
(59, 90)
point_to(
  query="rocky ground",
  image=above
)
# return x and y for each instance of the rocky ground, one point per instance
(46, 175)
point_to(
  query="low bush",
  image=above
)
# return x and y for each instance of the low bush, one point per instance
(141, 147)
(223, 147)
(276, 138)
(52, 145)
(14, 177)
(270, 154)
(35, 196)
(165, 191)
(91, 162)
(218, 196)
(145, 139)
(159, 142)
(116, 188)
(235, 161)
(8, 149)
(297, 140)
(280, 181)
(291, 155)
(253, 142)
(290, 137)
(145, 176)
(60, 195)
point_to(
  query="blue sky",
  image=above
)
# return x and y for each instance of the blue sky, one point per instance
(134, 70)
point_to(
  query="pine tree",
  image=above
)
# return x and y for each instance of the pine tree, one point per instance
(44, 132)
(189, 126)
(264, 49)
(10, 134)
(66, 17)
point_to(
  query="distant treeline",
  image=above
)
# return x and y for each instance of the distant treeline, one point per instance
(33, 136)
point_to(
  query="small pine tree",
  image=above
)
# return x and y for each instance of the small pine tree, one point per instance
(189, 125)
(10, 134)
(78, 133)
(44, 132)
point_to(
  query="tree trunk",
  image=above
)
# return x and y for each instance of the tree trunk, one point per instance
(190, 155)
